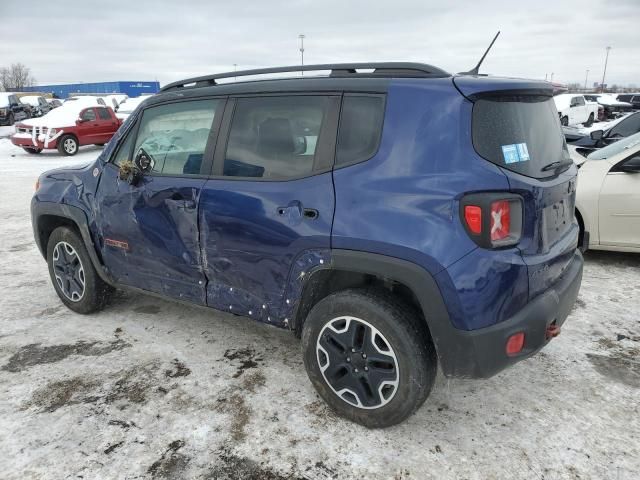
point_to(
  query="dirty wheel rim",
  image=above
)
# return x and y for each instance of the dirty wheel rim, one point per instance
(70, 145)
(357, 362)
(68, 271)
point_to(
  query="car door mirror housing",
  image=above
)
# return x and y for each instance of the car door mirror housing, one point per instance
(596, 134)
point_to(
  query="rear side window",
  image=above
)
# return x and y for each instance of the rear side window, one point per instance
(175, 135)
(103, 114)
(274, 137)
(360, 128)
(519, 133)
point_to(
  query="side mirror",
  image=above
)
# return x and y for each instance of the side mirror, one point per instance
(630, 166)
(143, 161)
(596, 134)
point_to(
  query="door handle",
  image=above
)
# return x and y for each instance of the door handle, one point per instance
(296, 207)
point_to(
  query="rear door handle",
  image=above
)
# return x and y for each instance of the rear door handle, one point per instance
(307, 213)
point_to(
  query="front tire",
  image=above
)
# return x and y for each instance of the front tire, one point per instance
(368, 356)
(68, 145)
(73, 276)
(11, 119)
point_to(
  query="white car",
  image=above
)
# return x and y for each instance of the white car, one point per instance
(574, 109)
(608, 196)
(127, 107)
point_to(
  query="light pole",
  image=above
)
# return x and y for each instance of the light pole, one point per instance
(585, 79)
(301, 37)
(235, 69)
(606, 59)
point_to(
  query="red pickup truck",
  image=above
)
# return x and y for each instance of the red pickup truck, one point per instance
(67, 128)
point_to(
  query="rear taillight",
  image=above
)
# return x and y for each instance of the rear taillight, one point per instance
(492, 219)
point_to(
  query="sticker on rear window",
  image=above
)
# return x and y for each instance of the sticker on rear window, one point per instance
(516, 152)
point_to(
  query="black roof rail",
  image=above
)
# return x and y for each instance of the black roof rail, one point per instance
(380, 69)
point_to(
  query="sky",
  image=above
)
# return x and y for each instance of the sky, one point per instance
(85, 41)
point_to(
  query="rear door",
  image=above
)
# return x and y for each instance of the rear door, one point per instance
(148, 232)
(266, 215)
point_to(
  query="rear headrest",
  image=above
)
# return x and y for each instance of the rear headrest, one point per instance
(275, 137)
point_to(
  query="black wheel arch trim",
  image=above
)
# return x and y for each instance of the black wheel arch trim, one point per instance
(76, 215)
(414, 277)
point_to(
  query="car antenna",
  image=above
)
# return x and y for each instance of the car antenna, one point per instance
(476, 69)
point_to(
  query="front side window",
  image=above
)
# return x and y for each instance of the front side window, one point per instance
(627, 126)
(274, 137)
(360, 128)
(88, 115)
(175, 135)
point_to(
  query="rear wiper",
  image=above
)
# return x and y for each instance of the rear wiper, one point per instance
(556, 165)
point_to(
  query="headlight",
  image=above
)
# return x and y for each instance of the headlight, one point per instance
(3, 111)
(52, 131)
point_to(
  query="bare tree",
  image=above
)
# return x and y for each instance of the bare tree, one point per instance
(16, 77)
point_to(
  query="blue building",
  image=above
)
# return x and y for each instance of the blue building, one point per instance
(132, 89)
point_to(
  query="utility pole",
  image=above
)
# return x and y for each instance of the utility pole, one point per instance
(301, 37)
(606, 59)
(551, 77)
(585, 79)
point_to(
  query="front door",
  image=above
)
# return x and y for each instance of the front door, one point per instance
(148, 231)
(620, 207)
(88, 126)
(266, 215)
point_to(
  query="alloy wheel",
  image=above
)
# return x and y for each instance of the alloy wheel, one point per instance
(70, 146)
(68, 271)
(357, 362)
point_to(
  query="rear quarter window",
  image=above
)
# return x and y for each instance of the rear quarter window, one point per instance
(360, 128)
(519, 133)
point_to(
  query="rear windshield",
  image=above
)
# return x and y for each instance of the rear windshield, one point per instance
(521, 134)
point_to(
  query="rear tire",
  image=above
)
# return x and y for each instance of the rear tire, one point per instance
(68, 145)
(73, 276)
(589, 122)
(564, 121)
(33, 151)
(368, 356)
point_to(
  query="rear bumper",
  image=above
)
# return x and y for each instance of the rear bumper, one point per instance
(481, 353)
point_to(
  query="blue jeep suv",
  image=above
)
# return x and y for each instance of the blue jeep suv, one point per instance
(394, 216)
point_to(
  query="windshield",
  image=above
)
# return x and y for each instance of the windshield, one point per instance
(615, 148)
(520, 133)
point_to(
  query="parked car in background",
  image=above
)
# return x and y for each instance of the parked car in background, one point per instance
(54, 102)
(12, 109)
(608, 197)
(615, 130)
(86, 100)
(573, 109)
(613, 108)
(39, 105)
(391, 240)
(127, 107)
(67, 128)
(632, 98)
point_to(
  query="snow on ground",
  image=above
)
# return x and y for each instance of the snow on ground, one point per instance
(5, 131)
(152, 389)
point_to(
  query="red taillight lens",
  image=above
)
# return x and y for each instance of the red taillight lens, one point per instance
(515, 343)
(500, 220)
(473, 217)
